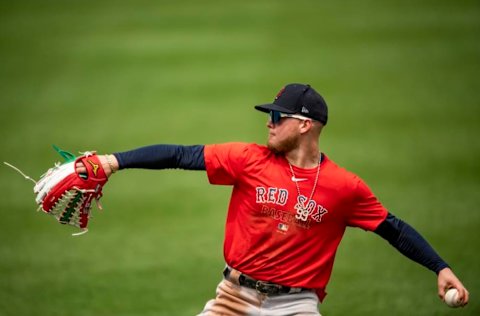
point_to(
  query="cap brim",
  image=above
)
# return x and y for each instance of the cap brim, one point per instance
(273, 107)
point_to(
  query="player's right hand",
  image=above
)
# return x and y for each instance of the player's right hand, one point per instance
(447, 280)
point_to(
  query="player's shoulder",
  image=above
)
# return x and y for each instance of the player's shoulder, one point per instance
(239, 151)
(254, 153)
(339, 174)
(238, 147)
(259, 149)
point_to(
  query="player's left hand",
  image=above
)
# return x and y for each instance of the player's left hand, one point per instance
(447, 280)
(67, 194)
(109, 165)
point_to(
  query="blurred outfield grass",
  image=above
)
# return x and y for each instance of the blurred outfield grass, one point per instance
(401, 80)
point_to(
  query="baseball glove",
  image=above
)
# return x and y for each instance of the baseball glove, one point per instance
(68, 195)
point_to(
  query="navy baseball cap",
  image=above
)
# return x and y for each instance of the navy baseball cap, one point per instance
(297, 98)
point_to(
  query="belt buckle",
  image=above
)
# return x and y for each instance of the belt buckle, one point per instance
(266, 288)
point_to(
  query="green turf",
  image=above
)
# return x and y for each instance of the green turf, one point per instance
(401, 80)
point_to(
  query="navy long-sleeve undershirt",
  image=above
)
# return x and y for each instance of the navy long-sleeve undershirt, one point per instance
(163, 157)
(398, 233)
(410, 243)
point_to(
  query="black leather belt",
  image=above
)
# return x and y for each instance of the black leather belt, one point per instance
(262, 287)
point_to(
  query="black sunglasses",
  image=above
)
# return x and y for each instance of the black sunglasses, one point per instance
(276, 116)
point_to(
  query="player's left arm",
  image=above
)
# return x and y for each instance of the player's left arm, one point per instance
(410, 243)
(161, 156)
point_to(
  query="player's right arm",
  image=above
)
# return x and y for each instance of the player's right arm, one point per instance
(411, 244)
(368, 213)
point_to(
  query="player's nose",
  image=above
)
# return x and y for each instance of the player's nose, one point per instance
(270, 124)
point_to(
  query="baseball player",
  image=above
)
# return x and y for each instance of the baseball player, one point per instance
(289, 208)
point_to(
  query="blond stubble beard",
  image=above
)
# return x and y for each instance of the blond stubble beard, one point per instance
(284, 146)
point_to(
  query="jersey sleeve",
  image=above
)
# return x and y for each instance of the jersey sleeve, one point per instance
(365, 211)
(225, 162)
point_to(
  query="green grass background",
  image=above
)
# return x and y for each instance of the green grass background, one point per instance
(402, 82)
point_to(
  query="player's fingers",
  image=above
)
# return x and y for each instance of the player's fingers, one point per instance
(441, 292)
(463, 295)
(467, 297)
(80, 167)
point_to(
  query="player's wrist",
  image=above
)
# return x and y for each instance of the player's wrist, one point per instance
(112, 163)
(442, 267)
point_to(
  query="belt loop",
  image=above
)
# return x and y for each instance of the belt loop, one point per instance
(226, 272)
(232, 275)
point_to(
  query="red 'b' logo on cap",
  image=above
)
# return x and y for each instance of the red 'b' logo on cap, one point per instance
(279, 94)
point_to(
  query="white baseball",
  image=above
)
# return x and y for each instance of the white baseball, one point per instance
(451, 298)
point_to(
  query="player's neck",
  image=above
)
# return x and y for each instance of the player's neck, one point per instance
(304, 157)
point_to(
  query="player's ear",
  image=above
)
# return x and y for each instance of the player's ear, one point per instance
(305, 126)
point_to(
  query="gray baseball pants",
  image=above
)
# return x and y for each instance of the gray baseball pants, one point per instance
(236, 300)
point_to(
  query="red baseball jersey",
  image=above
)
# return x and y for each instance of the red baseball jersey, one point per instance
(265, 235)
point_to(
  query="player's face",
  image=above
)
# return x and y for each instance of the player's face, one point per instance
(283, 136)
